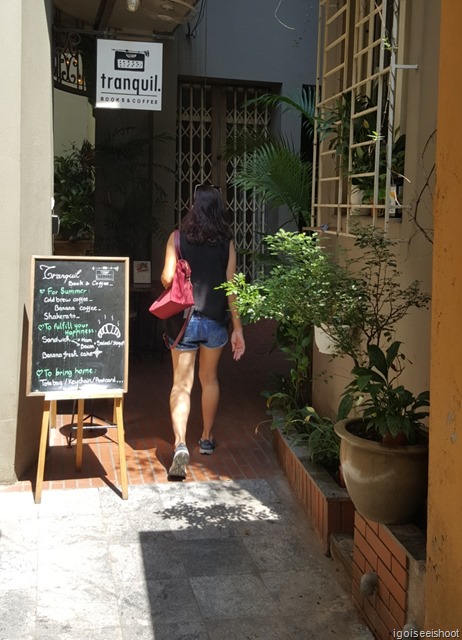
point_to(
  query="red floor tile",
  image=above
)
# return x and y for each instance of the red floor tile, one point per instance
(243, 451)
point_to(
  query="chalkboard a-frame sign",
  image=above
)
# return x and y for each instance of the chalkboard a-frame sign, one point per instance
(78, 332)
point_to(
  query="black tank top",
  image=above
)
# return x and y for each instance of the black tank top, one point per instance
(208, 270)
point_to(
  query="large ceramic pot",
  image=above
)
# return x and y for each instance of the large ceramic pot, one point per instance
(323, 340)
(387, 484)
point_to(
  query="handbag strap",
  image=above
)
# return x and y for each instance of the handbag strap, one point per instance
(179, 255)
(176, 238)
(180, 335)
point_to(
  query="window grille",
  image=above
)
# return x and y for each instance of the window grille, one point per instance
(357, 109)
(68, 67)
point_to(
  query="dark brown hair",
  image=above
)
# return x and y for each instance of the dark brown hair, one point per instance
(205, 222)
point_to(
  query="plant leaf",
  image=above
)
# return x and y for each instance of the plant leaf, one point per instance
(378, 359)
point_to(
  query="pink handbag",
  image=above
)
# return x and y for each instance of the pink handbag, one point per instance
(179, 296)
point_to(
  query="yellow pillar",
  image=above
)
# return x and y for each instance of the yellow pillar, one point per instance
(444, 534)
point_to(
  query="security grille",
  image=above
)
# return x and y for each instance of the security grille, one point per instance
(208, 114)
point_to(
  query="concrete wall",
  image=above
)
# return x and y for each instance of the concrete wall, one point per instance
(444, 550)
(246, 41)
(73, 121)
(25, 210)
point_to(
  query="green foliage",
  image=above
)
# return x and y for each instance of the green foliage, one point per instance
(300, 101)
(319, 435)
(358, 303)
(304, 287)
(74, 191)
(384, 299)
(335, 125)
(305, 427)
(387, 407)
(278, 176)
(295, 341)
(294, 390)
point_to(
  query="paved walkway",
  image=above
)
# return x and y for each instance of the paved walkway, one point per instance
(227, 555)
(217, 560)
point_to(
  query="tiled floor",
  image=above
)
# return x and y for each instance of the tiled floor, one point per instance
(244, 439)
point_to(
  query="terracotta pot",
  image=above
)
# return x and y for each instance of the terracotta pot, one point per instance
(387, 484)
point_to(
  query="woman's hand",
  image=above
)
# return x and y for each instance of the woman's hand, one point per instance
(237, 344)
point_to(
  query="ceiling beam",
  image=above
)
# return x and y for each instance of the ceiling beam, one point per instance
(103, 15)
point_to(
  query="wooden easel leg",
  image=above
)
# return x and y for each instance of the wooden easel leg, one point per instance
(121, 441)
(79, 448)
(114, 411)
(53, 413)
(42, 451)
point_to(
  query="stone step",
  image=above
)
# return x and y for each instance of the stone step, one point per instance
(341, 551)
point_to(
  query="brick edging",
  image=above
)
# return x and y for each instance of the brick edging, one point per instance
(328, 506)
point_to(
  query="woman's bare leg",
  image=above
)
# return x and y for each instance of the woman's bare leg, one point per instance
(180, 395)
(208, 370)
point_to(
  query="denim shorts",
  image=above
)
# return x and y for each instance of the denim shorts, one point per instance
(204, 331)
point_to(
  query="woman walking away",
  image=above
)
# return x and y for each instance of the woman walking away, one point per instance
(205, 242)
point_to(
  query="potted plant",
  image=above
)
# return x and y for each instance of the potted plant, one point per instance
(302, 285)
(359, 304)
(358, 163)
(74, 192)
(383, 452)
(336, 124)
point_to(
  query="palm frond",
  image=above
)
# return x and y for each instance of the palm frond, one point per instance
(303, 101)
(279, 176)
(244, 141)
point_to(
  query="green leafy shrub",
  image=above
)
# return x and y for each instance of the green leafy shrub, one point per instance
(74, 192)
(387, 408)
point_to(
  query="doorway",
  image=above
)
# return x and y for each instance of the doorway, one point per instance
(208, 114)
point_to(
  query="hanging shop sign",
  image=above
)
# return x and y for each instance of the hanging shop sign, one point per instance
(129, 75)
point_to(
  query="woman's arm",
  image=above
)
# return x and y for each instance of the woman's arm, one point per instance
(237, 336)
(170, 262)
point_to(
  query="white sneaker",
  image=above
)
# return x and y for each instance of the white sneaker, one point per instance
(179, 462)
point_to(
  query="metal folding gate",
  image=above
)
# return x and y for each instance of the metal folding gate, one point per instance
(208, 114)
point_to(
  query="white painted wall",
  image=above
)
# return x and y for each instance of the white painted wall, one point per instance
(25, 212)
